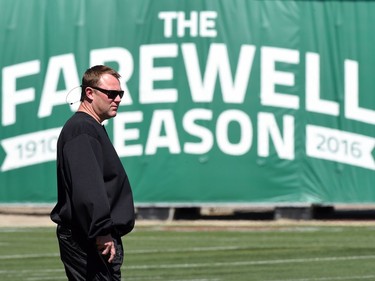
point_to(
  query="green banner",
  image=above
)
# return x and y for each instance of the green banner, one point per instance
(226, 102)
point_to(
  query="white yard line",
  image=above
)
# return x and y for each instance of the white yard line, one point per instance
(202, 265)
(194, 249)
(150, 251)
(29, 256)
(45, 278)
(30, 271)
(242, 263)
(216, 264)
(358, 277)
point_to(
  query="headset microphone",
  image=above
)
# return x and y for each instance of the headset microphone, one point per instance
(66, 99)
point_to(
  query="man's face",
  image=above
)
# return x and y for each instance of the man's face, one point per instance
(106, 107)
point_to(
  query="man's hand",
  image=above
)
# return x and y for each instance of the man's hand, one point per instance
(106, 245)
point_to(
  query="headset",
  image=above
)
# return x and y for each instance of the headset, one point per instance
(67, 96)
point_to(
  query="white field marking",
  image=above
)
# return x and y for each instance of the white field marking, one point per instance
(194, 280)
(20, 272)
(330, 278)
(242, 263)
(220, 264)
(185, 238)
(24, 229)
(142, 278)
(30, 256)
(194, 249)
(46, 278)
(10, 230)
(30, 271)
(163, 278)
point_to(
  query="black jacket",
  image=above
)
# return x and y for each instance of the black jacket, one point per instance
(94, 194)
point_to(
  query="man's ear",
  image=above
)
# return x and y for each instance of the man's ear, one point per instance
(89, 93)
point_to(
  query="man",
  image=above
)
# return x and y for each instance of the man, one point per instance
(95, 203)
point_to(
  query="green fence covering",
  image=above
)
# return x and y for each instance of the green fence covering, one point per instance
(226, 102)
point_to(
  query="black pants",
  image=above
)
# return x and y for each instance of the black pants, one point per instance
(82, 260)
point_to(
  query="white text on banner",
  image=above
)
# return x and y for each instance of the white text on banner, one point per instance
(30, 149)
(340, 146)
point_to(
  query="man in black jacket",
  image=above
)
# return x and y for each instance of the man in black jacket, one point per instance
(95, 203)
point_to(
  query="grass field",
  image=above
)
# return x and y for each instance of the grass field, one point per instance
(189, 252)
